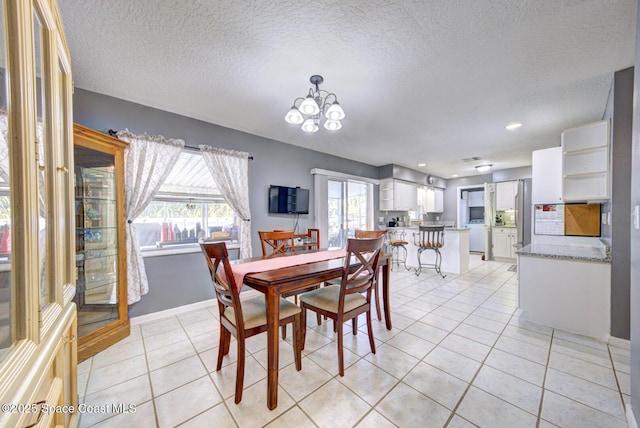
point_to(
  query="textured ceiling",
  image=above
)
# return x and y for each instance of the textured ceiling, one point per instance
(420, 81)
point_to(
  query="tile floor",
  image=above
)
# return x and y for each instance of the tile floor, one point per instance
(459, 355)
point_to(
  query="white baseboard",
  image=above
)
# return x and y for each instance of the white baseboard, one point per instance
(619, 343)
(173, 311)
(631, 418)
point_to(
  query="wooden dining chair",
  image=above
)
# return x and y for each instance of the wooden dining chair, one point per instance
(278, 242)
(243, 318)
(349, 299)
(368, 234)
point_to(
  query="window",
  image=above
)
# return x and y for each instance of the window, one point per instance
(187, 207)
(350, 207)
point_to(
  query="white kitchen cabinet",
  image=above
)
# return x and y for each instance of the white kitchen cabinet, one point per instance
(546, 173)
(504, 239)
(386, 194)
(434, 200)
(475, 198)
(506, 195)
(397, 195)
(585, 162)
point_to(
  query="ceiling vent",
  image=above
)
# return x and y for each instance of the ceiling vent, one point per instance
(473, 159)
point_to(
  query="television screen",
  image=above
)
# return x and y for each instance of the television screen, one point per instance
(288, 200)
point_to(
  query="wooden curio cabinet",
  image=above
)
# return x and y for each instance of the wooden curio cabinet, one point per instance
(100, 250)
(38, 331)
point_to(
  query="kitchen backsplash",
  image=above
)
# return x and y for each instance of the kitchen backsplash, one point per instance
(505, 218)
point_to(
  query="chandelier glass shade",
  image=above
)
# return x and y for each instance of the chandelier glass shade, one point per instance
(317, 107)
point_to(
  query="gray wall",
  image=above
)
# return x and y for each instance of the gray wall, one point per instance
(635, 239)
(274, 163)
(451, 193)
(622, 128)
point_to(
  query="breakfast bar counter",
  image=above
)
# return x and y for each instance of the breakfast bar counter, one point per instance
(566, 287)
(455, 252)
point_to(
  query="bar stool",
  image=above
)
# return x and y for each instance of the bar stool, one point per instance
(429, 238)
(397, 243)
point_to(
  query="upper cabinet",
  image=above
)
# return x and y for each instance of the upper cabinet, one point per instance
(585, 162)
(546, 172)
(398, 195)
(506, 192)
(430, 200)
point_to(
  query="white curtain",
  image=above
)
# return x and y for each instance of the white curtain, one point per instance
(230, 170)
(148, 160)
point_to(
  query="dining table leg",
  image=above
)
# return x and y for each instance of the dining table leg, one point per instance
(272, 298)
(386, 274)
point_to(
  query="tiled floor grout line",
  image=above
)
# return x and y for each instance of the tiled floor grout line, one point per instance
(615, 375)
(544, 379)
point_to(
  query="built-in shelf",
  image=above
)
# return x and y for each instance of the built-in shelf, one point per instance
(585, 162)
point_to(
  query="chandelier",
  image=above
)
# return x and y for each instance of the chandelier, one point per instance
(318, 105)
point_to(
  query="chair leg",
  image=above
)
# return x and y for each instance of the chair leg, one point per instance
(376, 289)
(319, 318)
(223, 347)
(303, 325)
(283, 332)
(340, 323)
(240, 369)
(370, 332)
(354, 325)
(297, 341)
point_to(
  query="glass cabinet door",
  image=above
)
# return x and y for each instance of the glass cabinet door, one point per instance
(100, 241)
(6, 337)
(96, 241)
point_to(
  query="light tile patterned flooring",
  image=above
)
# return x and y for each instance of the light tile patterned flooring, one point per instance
(459, 355)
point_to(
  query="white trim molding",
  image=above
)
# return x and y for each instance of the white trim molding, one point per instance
(631, 418)
(334, 174)
(619, 343)
(154, 316)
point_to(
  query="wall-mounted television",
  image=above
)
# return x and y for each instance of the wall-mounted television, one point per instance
(288, 200)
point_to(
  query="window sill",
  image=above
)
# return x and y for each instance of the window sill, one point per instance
(186, 249)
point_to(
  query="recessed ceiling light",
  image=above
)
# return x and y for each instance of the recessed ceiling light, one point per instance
(422, 164)
(513, 126)
(454, 175)
(484, 168)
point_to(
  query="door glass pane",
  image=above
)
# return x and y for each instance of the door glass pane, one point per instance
(336, 213)
(348, 210)
(5, 214)
(96, 239)
(41, 146)
(356, 207)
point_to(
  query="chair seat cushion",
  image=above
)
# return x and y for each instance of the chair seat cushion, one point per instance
(326, 298)
(254, 311)
(428, 244)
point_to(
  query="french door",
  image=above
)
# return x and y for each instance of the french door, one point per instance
(350, 205)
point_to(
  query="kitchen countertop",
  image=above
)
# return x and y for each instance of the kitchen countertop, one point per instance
(567, 252)
(416, 228)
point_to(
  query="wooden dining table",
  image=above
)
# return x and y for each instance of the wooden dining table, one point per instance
(273, 283)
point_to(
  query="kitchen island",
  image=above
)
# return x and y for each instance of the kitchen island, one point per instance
(455, 252)
(566, 287)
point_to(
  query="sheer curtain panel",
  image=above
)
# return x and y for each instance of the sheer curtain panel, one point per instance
(148, 160)
(230, 170)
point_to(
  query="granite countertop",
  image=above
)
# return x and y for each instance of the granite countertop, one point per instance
(567, 252)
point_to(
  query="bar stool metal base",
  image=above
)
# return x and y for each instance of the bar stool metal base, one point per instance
(429, 238)
(395, 254)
